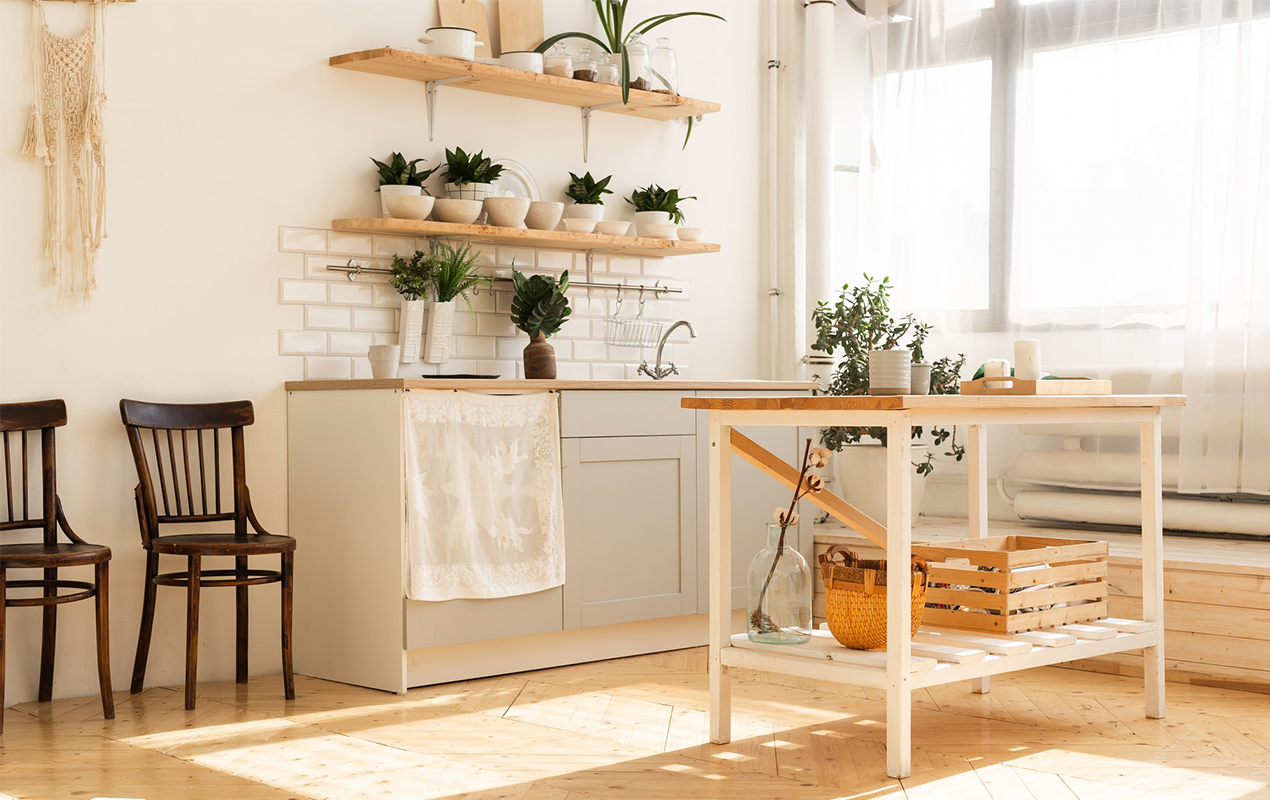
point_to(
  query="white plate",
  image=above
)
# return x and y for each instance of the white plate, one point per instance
(515, 181)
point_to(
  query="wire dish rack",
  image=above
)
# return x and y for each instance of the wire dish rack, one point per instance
(632, 331)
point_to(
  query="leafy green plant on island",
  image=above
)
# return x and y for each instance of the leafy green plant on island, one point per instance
(655, 198)
(587, 191)
(540, 304)
(400, 172)
(858, 321)
(461, 168)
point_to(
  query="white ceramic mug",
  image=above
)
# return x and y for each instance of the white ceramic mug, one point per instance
(449, 42)
(385, 360)
(527, 60)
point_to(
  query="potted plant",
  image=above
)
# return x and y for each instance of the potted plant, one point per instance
(400, 177)
(619, 35)
(859, 323)
(587, 195)
(453, 273)
(540, 308)
(411, 278)
(656, 206)
(468, 177)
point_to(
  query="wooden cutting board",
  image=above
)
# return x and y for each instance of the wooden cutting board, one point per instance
(519, 24)
(468, 14)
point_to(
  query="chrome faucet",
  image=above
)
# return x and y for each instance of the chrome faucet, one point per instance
(658, 372)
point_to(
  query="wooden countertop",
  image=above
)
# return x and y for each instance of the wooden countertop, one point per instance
(525, 385)
(939, 401)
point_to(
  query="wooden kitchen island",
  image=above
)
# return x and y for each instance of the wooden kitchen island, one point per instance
(897, 670)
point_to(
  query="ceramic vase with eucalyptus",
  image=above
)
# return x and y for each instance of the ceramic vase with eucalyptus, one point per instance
(778, 591)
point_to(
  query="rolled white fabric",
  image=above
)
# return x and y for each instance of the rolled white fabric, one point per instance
(1027, 359)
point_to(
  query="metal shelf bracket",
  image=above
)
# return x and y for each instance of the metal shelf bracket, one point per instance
(431, 88)
(586, 125)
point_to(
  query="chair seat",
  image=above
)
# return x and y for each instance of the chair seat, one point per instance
(222, 544)
(62, 554)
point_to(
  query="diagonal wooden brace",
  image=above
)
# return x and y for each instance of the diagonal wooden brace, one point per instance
(838, 508)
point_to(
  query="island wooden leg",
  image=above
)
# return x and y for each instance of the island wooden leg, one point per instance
(899, 544)
(977, 467)
(1153, 563)
(720, 578)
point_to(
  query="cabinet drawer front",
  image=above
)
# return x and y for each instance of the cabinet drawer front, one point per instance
(624, 413)
(433, 624)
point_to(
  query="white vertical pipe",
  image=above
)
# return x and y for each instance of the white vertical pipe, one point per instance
(819, 84)
(773, 179)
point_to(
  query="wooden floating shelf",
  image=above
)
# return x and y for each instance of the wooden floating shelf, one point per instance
(557, 240)
(519, 83)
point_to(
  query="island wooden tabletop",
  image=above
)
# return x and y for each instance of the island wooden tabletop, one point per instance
(938, 401)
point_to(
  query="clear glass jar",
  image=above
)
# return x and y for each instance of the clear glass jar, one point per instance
(608, 70)
(584, 67)
(664, 68)
(637, 56)
(558, 62)
(778, 591)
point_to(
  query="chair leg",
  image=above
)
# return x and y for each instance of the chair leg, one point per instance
(2, 619)
(147, 623)
(48, 646)
(191, 629)
(103, 640)
(240, 568)
(288, 580)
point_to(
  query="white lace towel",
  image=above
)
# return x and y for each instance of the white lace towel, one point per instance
(483, 511)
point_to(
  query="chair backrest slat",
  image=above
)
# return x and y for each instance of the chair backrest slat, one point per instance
(176, 481)
(202, 470)
(26, 511)
(185, 455)
(22, 418)
(8, 474)
(158, 459)
(216, 458)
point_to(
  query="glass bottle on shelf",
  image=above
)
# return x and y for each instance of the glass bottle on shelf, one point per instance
(584, 67)
(664, 68)
(608, 70)
(558, 62)
(637, 57)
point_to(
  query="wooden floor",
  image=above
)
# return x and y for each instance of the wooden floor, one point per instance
(636, 728)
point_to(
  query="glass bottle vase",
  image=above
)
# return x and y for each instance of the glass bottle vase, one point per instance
(778, 591)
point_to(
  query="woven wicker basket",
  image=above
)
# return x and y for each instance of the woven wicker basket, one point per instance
(855, 597)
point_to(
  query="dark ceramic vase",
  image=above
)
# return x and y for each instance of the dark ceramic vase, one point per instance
(540, 359)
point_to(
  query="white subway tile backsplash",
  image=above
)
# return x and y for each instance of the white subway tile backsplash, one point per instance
(483, 302)
(349, 344)
(327, 318)
(315, 267)
(350, 244)
(301, 240)
(563, 347)
(659, 267)
(301, 343)
(474, 347)
(503, 302)
(454, 366)
(464, 322)
(361, 369)
(608, 372)
(619, 265)
(494, 325)
(351, 294)
(554, 261)
(385, 296)
(374, 319)
(522, 258)
(389, 246)
(573, 371)
(575, 328)
(327, 368)
(589, 350)
(384, 338)
(292, 292)
(503, 369)
(511, 348)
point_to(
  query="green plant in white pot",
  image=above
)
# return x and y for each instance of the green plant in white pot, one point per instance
(857, 325)
(587, 195)
(411, 277)
(468, 177)
(656, 206)
(401, 178)
(453, 275)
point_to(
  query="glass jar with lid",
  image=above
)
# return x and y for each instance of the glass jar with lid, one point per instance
(608, 70)
(637, 57)
(664, 68)
(584, 69)
(558, 62)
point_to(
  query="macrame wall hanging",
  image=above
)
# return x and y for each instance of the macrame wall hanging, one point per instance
(66, 132)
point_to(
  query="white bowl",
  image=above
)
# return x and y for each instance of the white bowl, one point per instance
(544, 215)
(613, 227)
(526, 60)
(462, 212)
(692, 234)
(662, 230)
(507, 212)
(405, 206)
(580, 225)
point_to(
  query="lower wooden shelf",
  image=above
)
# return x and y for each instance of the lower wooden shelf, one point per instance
(558, 240)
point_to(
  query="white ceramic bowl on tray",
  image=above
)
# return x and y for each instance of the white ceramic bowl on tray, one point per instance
(406, 206)
(507, 212)
(692, 234)
(544, 215)
(580, 225)
(613, 227)
(662, 230)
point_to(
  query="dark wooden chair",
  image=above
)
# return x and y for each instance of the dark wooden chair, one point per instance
(160, 437)
(17, 420)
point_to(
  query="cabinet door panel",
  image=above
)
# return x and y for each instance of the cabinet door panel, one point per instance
(630, 529)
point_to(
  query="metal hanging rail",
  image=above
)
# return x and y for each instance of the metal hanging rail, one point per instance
(353, 269)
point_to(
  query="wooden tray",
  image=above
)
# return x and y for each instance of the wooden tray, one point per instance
(1021, 386)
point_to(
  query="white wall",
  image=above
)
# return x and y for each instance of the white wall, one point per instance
(224, 122)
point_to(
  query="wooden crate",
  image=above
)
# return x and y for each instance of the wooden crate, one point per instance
(1049, 571)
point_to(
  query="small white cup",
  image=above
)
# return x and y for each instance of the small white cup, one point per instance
(385, 360)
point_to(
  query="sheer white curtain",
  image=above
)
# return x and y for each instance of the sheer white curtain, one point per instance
(1095, 173)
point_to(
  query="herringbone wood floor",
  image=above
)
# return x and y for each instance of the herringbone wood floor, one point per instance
(635, 728)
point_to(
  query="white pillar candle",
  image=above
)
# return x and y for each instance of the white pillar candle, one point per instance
(996, 368)
(1027, 359)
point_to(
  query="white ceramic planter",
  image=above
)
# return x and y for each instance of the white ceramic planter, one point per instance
(645, 218)
(389, 190)
(410, 337)
(385, 360)
(436, 348)
(890, 371)
(593, 211)
(860, 478)
(467, 191)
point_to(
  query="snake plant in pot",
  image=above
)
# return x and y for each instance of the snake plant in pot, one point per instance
(400, 177)
(468, 177)
(587, 195)
(656, 206)
(540, 308)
